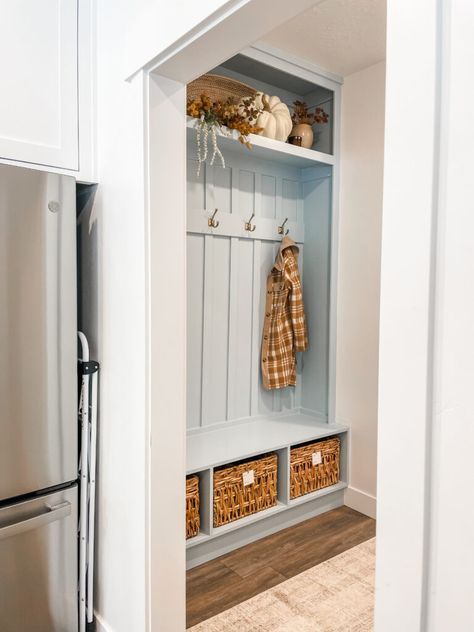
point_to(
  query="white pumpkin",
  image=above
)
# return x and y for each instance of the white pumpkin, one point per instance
(275, 118)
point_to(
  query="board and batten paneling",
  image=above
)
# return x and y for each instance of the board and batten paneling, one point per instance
(227, 286)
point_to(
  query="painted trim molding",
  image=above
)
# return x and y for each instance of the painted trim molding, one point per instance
(254, 531)
(281, 58)
(361, 501)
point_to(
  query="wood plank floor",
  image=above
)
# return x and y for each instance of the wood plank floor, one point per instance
(241, 574)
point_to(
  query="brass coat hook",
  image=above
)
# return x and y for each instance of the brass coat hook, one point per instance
(211, 222)
(248, 226)
(281, 229)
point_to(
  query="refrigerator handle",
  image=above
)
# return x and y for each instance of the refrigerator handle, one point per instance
(53, 513)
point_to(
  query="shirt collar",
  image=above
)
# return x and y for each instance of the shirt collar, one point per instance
(286, 242)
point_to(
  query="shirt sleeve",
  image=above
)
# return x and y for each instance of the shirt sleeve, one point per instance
(298, 319)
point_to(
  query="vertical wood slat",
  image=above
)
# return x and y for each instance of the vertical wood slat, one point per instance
(215, 329)
(276, 394)
(195, 192)
(207, 328)
(234, 190)
(197, 196)
(240, 329)
(232, 368)
(256, 332)
(300, 205)
(279, 210)
(257, 194)
(222, 188)
(266, 258)
(278, 198)
(195, 316)
(290, 190)
(209, 202)
(299, 356)
(268, 196)
(246, 193)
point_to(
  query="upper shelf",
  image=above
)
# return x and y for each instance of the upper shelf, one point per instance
(270, 149)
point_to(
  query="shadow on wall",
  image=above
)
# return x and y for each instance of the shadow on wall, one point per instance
(87, 265)
(88, 285)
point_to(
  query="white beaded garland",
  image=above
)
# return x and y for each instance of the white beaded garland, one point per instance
(202, 139)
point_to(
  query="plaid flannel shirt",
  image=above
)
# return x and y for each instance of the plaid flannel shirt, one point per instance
(284, 331)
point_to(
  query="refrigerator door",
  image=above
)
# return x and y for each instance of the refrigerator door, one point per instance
(38, 347)
(38, 562)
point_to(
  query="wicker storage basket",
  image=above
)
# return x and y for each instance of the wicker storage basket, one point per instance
(218, 88)
(242, 489)
(192, 506)
(314, 466)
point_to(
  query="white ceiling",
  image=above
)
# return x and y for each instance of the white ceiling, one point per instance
(342, 36)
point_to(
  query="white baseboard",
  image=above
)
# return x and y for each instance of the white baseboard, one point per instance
(100, 624)
(361, 501)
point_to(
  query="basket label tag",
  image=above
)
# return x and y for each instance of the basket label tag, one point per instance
(317, 460)
(248, 477)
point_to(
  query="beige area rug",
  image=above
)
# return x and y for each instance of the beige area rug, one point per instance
(335, 596)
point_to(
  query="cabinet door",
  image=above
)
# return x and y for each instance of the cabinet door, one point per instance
(38, 70)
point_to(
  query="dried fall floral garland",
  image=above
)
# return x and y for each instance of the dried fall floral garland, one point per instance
(221, 116)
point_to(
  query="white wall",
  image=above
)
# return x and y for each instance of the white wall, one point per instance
(406, 302)
(362, 144)
(120, 596)
(157, 27)
(451, 510)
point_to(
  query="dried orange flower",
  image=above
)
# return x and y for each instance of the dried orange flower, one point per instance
(240, 116)
(216, 115)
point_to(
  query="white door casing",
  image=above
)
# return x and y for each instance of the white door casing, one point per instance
(166, 329)
(409, 296)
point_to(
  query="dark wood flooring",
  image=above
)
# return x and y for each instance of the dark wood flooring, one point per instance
(241, 574)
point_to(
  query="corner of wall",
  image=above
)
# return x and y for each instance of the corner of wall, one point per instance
(361, 501)
(361, 189)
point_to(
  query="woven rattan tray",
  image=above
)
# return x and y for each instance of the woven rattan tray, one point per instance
(218, 88)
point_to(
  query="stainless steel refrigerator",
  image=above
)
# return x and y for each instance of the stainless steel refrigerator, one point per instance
(38, 402)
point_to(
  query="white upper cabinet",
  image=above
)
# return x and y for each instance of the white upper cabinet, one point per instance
(39, 82)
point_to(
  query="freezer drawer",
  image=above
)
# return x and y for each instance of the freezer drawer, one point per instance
(38, 564)
(38, 331)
